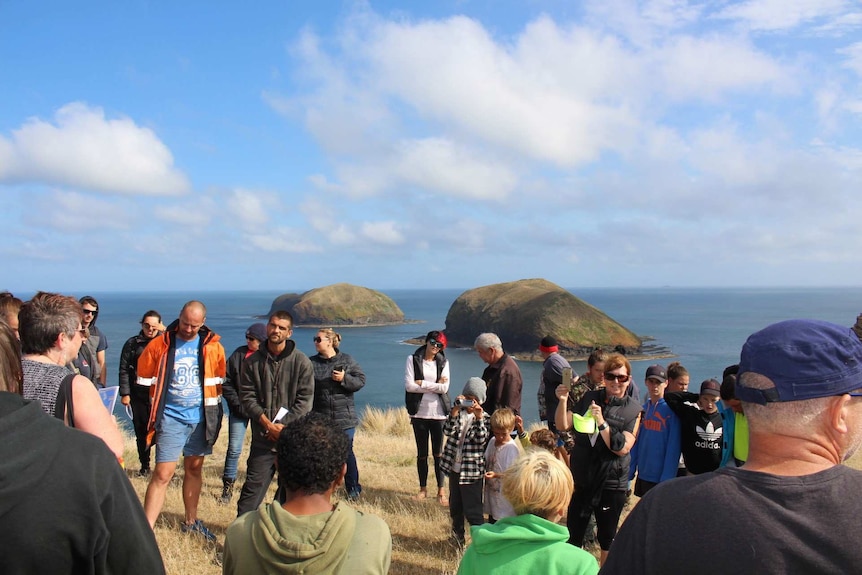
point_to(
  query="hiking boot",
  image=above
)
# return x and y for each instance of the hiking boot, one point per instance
(144, 472)
(226, 491)
(197, 526)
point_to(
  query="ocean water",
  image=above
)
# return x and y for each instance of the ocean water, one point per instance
(704, 328)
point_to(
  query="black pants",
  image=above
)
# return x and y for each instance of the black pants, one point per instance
(607, 513)
(139, 401)
(465, 502)
(260, 469)
(423, 429)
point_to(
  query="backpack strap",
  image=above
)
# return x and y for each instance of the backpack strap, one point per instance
(63, 407)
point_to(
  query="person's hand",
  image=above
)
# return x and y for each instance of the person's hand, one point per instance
(419, 382)
(490, 475)
(562, 392)
(274, 431)
(125, 399)
(338, 376)
(519, 424)
(443, 379)
(476, 410)
(596, 412)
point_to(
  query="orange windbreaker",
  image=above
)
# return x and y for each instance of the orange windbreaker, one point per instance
(155, 369)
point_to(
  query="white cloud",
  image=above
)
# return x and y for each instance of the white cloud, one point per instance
(434, 164)
(284, 240)
(382, 233)
(693, 68)
(853, 58)
(83, 149)
(194, 216)
(773, 15)
(248, 207)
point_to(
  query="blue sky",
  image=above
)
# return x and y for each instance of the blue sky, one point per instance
(289, 145)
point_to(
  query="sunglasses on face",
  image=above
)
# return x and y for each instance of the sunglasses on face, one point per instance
(435, 343)
(318, 339)
(619, 377)
(91, 311)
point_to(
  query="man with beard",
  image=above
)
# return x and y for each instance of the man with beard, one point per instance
(276, 387)
(792, 507)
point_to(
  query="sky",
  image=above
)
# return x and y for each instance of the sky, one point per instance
(279, 145)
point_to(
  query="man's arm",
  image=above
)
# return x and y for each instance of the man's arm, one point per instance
(510, 384)
(304, 398)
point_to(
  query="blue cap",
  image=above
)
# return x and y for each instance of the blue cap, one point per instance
(257, 331)
(804, 358)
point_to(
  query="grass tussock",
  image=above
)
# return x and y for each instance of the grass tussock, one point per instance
(390, 421)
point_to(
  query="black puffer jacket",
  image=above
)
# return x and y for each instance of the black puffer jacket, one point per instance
(332, 398)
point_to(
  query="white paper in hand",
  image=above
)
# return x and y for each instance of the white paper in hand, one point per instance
(282, 411)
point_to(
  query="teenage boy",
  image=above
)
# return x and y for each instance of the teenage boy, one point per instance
(655, 455)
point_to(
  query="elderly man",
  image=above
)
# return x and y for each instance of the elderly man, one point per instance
(793, 507)
(502, 375)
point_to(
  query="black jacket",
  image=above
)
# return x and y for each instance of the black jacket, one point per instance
(66, 506)
(332, 398)
(128, 375)
(230, 387)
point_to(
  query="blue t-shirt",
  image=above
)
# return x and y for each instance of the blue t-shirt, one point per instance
(184, 399)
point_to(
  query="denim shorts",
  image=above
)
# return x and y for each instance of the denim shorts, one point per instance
(173, 437)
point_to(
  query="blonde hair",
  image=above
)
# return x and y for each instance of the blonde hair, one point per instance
(539, 484)
(503, 419)
(335, 338)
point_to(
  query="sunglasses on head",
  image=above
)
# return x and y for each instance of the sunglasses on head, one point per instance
(619, 377)
(435, 343)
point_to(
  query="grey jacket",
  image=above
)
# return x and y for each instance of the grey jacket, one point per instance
(269, 382)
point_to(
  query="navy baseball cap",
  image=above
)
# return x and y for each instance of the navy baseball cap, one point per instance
(804, 358)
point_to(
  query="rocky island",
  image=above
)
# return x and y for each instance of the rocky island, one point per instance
(524, 311)
(342, 305)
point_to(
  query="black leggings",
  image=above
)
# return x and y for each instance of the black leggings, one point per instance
(607, 513)
(422, 429)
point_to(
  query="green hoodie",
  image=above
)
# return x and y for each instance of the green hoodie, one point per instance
(272, 540)
(524, 544)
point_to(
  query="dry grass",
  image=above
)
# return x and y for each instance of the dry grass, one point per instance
(387, 464)
(386, 453)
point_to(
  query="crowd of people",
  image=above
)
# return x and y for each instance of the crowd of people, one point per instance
(755, 460)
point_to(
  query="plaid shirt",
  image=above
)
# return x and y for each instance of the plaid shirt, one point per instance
(473, 456)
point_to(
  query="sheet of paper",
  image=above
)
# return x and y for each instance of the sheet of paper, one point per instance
(282, 411)
(109, 397)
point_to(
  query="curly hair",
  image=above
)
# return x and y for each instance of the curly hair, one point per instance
(544, 438)
(311, 453)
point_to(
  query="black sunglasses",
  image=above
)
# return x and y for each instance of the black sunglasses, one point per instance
(435, 343)
(620, 377)
(317, 339)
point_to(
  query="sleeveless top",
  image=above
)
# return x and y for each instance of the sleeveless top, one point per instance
(42, 382)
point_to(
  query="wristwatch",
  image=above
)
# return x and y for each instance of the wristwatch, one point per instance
(603, 426)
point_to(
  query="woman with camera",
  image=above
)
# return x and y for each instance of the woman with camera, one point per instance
(605, 422)
(426, 384)
(337, 377)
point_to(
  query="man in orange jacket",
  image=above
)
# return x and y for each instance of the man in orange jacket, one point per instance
(184, 369)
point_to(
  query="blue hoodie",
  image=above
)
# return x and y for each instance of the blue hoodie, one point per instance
(655, 455)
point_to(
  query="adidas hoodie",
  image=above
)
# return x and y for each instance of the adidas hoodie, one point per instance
(701, 432)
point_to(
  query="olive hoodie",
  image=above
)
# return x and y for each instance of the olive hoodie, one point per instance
(342, 541)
